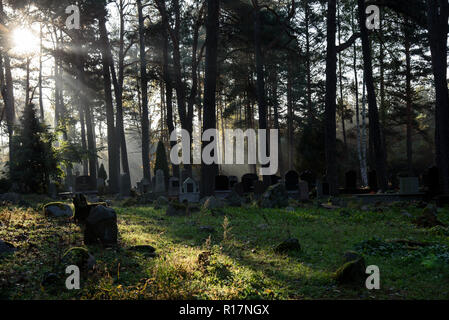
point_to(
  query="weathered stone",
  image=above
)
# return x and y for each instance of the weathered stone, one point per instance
(212, 203)
(234, 200)
(275, 197)
(288, 245)
(428, 219)
(175, 209)
(79, 257)
(58, 209)
(352, 273)
(351, 256)
(101, 227)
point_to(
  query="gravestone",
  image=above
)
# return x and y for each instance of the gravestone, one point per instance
(222, 189)
(409, 185)
(144, 186)
(292, 181)
(248, 182)
(326, 188)
(159, 186)
(303, 190)
(190, 191)
(259, 189)
(319, 188)
(185, 174)
(372, 181)
(351, 180)
(101, 183)
(232, 181)
(309, 177)
(238, 189)
(173, 187)
(125, 185)
(432, 181)
(101, 227)
(82, 184)
(221, 183)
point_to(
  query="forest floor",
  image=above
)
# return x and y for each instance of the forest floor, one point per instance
(242, 263)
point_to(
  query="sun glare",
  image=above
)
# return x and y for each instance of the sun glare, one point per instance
(24, 42)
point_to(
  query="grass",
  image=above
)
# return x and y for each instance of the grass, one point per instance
(237, 260)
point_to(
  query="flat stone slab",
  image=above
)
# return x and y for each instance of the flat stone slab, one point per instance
(389, 197)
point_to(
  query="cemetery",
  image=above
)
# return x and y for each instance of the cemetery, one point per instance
(223, 150)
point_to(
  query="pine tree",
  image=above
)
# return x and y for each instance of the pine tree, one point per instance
(37, 162)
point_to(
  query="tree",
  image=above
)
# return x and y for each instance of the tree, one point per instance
(209, 171)
(161, 161)
(37, 162)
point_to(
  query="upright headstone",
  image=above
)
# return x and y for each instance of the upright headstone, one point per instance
(372, 181)
(319, 188)
(159, 186)
(173, 187)
(248, 182)
(292, 181)
(190, 191)
(221, 183)
(222, 189)
(232, 181)
(309, 177)
(351, 180)
(409, 185)
(432, 181)
(125, 185)
(303, 190)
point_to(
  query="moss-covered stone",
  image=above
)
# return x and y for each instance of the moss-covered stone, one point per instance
(352, 273)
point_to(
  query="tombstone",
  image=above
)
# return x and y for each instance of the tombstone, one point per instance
(309, 177)
(233, 180)
(432, 181)
(259, 188)
(248, 182)
(125, 185)
(372, 181)
(101, 183)
(221, 183)
(351, 180)
(222, 189)
(190, 191)
(303, 190)
(185, 174)
(319, 188)
(159, 185)
(83, 183)
(145, 185)
(173, 187)
(101, 227)
(238, 188)
(409, 185)
(70, 182)
(326, 188)
(292, 181)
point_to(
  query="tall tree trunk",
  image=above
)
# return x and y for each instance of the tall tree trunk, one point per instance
(308, 62)
(41, 98)
(113, 142)
(144, 88)
(261, 95)
(340, 77)
(408, 98)
(437, 16)
(118, 90)
(374, 126)
(290, 114)
(331, 97)
(209, 171)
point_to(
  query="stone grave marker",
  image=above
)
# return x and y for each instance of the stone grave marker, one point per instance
(409, 185)
(190, 191)
(159, 186)
(232, 181)
(248, 182)
(173, 187)
(222, 188)
(303, 190)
